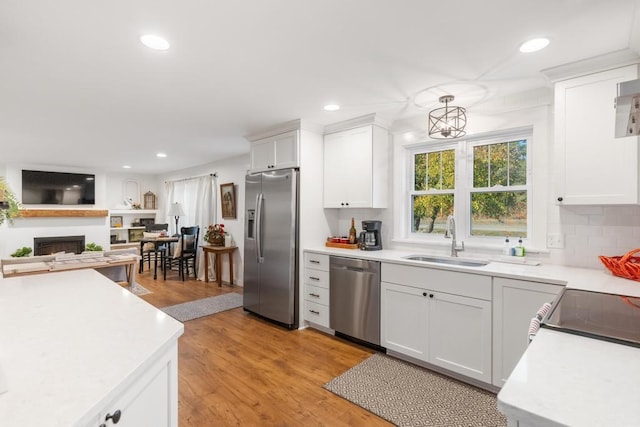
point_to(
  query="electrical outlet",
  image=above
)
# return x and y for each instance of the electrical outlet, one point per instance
(555, 240)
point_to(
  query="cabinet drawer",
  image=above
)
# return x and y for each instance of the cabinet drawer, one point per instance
(317, 261)
(316, 294)
(316, 277)
(451, 282)
(316, 313)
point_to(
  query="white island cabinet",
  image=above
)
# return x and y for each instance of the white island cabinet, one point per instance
(79, 350)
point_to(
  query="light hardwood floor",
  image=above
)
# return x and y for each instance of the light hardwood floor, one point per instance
(238, 370)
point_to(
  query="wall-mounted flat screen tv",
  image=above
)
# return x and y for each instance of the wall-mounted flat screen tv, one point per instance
(57, 188)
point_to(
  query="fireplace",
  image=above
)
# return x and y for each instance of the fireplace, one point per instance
(52, 245)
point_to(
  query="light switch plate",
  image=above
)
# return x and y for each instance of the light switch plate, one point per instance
(555, 240)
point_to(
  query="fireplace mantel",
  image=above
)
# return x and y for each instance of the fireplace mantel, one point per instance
(61, 213)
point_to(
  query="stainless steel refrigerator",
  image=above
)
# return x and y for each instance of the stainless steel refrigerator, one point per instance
(271, 246)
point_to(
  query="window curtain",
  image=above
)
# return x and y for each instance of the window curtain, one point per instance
(199, 203)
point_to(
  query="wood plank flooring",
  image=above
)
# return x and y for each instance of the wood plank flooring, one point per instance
(235, 369)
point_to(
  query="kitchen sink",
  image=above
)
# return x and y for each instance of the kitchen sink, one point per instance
(450, 261)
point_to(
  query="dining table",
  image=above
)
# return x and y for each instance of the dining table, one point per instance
(157, 242)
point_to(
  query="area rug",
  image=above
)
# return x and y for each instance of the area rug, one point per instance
(138, 289)
(408, 395)
(203, 307)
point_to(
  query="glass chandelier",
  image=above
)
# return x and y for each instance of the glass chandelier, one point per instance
(447, 122)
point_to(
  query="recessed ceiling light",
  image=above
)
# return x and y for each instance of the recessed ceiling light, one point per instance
(534, 45)
(126, 167)
(161, 155)
(331, 107)
(154, 42)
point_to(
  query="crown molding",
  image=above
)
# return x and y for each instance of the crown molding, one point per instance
(595, 64)
(368, 119)
(279, 129)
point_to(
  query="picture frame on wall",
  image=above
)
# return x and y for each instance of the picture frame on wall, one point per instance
(228, 200)
(135, 235)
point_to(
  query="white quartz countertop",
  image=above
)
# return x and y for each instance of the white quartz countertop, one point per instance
(599, 280)
(67, 340)
(570, 380)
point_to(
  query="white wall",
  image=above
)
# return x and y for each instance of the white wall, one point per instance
(109, 195)
(228, 170)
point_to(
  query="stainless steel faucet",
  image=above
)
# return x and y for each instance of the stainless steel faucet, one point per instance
(450, 233)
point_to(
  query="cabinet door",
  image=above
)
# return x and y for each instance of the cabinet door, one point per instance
(286, 150)
(262, 154)
(460, 335)
(348, 168)
(151, 400)
(595, 167)
(403, 320)
(515, 302)
(336, 174)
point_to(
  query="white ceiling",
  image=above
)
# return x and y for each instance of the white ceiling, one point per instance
(78, 89)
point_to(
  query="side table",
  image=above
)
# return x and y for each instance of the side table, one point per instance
(218, 251)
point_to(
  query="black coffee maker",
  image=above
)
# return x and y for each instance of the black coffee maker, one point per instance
(371, 237)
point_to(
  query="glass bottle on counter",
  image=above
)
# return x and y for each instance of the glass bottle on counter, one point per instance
(352, 233)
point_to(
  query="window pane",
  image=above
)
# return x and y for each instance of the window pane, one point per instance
(518, 162)
(430, 213)
(499, 164)
(499, 214)
(434, 175)
(481, 166)
(420, 170)
(441, 170)
(448, 170)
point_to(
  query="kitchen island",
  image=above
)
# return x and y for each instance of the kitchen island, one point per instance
(76, 348)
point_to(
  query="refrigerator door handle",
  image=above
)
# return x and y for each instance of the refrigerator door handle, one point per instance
(259, 203)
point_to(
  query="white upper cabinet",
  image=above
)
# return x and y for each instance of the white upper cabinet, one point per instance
(275, 152)
(594, 167)
(356, 168)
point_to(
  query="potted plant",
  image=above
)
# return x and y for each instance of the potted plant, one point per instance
(215, 235)
(92, 247)
(9, 205)
(22, 252)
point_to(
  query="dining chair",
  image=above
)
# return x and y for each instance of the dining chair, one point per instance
(148, 250)
(185, 253)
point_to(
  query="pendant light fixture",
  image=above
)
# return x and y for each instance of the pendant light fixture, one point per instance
(447, 122)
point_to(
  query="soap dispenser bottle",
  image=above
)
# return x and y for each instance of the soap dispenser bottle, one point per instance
(507, 248)
(520, 248)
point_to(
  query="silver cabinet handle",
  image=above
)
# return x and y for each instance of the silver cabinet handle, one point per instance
(314, 312)
(314, 278)
(315, 295)
(313, 261)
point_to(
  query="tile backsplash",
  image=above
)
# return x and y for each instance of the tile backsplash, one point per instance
(590, 231)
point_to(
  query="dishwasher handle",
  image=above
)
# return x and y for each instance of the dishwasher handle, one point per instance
(353, 264)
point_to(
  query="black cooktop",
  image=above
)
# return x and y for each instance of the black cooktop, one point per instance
(599, 315)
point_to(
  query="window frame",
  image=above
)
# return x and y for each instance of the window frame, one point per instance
(463, 188)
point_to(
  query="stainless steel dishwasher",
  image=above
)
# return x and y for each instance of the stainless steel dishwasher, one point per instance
(354, 298)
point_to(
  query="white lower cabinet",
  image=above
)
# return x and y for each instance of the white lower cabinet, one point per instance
(515, 302)
(420, 319)
(316, 289)
(151, 400)
(402, 308)
(460, 335)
